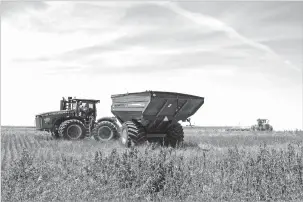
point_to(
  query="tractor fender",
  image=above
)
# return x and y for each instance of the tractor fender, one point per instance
(110, 119)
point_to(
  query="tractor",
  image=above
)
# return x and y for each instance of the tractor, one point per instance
(263, 125)
(77, 120)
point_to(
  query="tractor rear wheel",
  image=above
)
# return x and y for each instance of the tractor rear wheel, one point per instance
(132, 134)
(72, 129)
(175, 135)
(105, 131)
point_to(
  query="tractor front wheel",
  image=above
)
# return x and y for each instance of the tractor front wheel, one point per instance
(105, 131)
(175, 135)
(132, 134)
(72, 129)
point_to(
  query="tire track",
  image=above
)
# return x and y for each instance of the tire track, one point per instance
(49, 155)
(14, 151)
(8, 151)
(26, 142)
(31, 142)
(36, 142)
(3, 146)
(20, 143)
(2, 154)
(4, 159)
(41, 154)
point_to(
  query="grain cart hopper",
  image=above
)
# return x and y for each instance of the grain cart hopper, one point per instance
(76, 120)
(153, 116)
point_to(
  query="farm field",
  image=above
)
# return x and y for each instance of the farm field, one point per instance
(212, 165)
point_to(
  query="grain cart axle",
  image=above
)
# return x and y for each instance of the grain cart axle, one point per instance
(153, 116)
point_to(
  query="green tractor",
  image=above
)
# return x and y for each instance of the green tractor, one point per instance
(77, 120)
(263, 125)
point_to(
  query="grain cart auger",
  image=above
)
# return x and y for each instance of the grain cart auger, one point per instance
(76, 120)
(153, 116)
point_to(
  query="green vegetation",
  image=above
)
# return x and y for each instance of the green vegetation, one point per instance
(210, 166)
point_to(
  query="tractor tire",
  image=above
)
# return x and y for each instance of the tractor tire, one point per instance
(175, 135)
(72, 129)
(105, 131)
(132, 134)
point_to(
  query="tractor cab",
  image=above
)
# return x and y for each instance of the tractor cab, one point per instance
(83, 107)
(262, 121)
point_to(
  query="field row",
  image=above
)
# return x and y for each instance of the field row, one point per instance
(43, 147)
(211, 165)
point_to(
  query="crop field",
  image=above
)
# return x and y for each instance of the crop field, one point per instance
(211, 165)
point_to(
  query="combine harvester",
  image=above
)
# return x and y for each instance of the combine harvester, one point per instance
(262, 125)
(153, 116)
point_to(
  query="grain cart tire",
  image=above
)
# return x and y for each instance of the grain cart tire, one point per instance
(132, 134)
(105, 131)
(72, 129)
(175, 135)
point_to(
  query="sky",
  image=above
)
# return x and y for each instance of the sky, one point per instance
(245, 58)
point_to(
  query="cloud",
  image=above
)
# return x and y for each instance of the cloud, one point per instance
(260, 22)
(220, 26)
(155, 37)
(11, 8)
(221, 51)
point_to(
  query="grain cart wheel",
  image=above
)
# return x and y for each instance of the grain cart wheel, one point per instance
(132, 134)
(104, 131)
(72, 129)
(174, 136)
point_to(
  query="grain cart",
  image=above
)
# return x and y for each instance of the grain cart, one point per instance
(153, 116)
(76, 120)
(263, 125)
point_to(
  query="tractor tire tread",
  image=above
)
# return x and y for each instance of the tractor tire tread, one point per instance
(104, 123)
(64, 124)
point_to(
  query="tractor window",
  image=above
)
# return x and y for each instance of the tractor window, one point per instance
(91, 105)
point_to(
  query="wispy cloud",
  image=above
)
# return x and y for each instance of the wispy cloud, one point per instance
(145, 36)
(234, 53)
(11, 8)
(220, 26)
